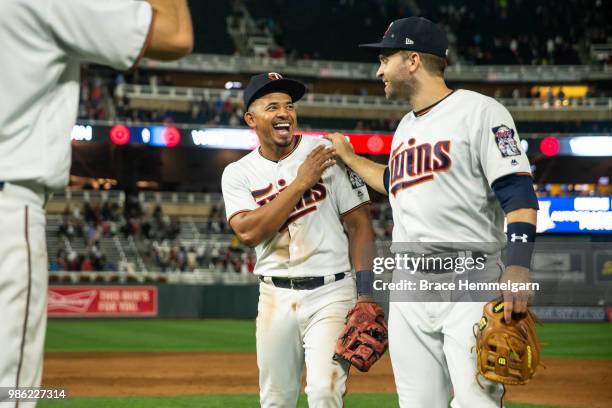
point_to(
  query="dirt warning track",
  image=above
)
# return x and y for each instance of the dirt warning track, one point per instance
(564, 382)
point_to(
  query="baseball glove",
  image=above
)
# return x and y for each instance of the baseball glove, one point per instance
(364, 339)
(507, 353)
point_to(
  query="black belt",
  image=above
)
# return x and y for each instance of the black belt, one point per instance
(300, 283)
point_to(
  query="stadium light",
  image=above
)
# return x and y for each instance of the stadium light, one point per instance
(550, 146)
(591, 145)
(119, 134)
(171, 136)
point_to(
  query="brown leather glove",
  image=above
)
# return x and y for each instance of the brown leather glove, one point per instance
(507, 353)
(365, 338)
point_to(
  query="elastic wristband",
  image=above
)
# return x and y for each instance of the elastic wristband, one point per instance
(521, 238)
(386, 178)
(365, 283)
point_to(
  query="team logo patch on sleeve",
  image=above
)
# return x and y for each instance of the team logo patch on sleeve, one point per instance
(506, 143)
(356, 181)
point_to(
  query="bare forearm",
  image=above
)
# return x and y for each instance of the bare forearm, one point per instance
(371, 172)
(260, 224)
(362, 250)
(361, 247)
(172, 31)
(523, 215)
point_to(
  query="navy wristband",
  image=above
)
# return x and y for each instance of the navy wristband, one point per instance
(365, 283)
(521, 238)
(386, 178)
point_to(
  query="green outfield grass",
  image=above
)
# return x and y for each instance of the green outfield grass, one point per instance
(578, 340)
(151, 335)
(224, 401)
(584, 340)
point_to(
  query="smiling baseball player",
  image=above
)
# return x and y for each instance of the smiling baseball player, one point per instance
(43, 44)
(302, 214)
(456, 166)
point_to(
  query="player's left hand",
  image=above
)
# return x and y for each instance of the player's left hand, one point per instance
(344, 149)
(515, 302)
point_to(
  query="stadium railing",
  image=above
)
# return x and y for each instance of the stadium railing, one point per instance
(215, 63)
(366, 102)
(143, 196)
(198, 277)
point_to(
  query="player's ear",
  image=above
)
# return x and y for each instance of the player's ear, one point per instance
(414, 61)
(249, 119)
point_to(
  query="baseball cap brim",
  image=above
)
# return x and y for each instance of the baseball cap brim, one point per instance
(378, 46)
(294, 89)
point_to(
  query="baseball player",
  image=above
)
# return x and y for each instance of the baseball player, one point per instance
(43, 43)
(304, 216)
(456, 166)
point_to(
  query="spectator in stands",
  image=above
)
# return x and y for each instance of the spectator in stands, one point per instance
(54, 267)
(192, 261)
(60, 259)
(86, 264)
(74, 263)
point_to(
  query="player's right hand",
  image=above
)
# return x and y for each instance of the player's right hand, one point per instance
(319, 159)
(344, 149)
(518, 301)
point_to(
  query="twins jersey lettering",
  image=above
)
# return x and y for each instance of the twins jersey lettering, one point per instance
(442, 165)
(312, 242)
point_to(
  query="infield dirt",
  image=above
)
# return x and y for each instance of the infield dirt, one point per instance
(564, 382)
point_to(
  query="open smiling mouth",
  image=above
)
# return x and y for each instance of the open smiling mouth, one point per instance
(282, 129)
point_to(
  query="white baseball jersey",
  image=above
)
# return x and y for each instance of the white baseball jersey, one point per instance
(313, 241)
(43, 43)
(442, 164)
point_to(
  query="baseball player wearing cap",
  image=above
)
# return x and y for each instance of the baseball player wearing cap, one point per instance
(456, 166)
(289, 201)
(43, 43)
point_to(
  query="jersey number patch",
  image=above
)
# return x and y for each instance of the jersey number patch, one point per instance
(356, 181)
(506, 143)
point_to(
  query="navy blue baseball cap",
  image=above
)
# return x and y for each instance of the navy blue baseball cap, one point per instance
(413, 34)
(263, 84)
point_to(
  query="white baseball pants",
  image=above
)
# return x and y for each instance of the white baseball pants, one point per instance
(296, 327)
(23, 288)
(431, 347)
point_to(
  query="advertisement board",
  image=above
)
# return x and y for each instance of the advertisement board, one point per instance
(575, 215)
(102, 301)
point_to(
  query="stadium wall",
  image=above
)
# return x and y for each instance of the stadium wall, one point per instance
(211, 301)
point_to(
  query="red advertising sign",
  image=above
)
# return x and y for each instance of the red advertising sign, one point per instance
(102, 301)
(368, 143)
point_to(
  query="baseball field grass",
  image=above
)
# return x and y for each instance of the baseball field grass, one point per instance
(566, 340)
(578, 340)
(227, 401)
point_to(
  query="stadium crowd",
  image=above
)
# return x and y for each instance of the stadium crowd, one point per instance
(480, 32)
(102, 99)
(155, 233)
(162, 244)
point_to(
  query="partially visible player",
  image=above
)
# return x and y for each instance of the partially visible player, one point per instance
(456, 166)
(43, 44)
(309, 221)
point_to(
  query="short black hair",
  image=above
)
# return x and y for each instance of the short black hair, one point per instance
(432, 63)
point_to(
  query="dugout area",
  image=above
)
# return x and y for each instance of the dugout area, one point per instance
(211, 363)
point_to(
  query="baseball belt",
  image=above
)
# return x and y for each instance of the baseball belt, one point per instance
(307, 283)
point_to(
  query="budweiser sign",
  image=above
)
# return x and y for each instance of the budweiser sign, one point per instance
(102, 301)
